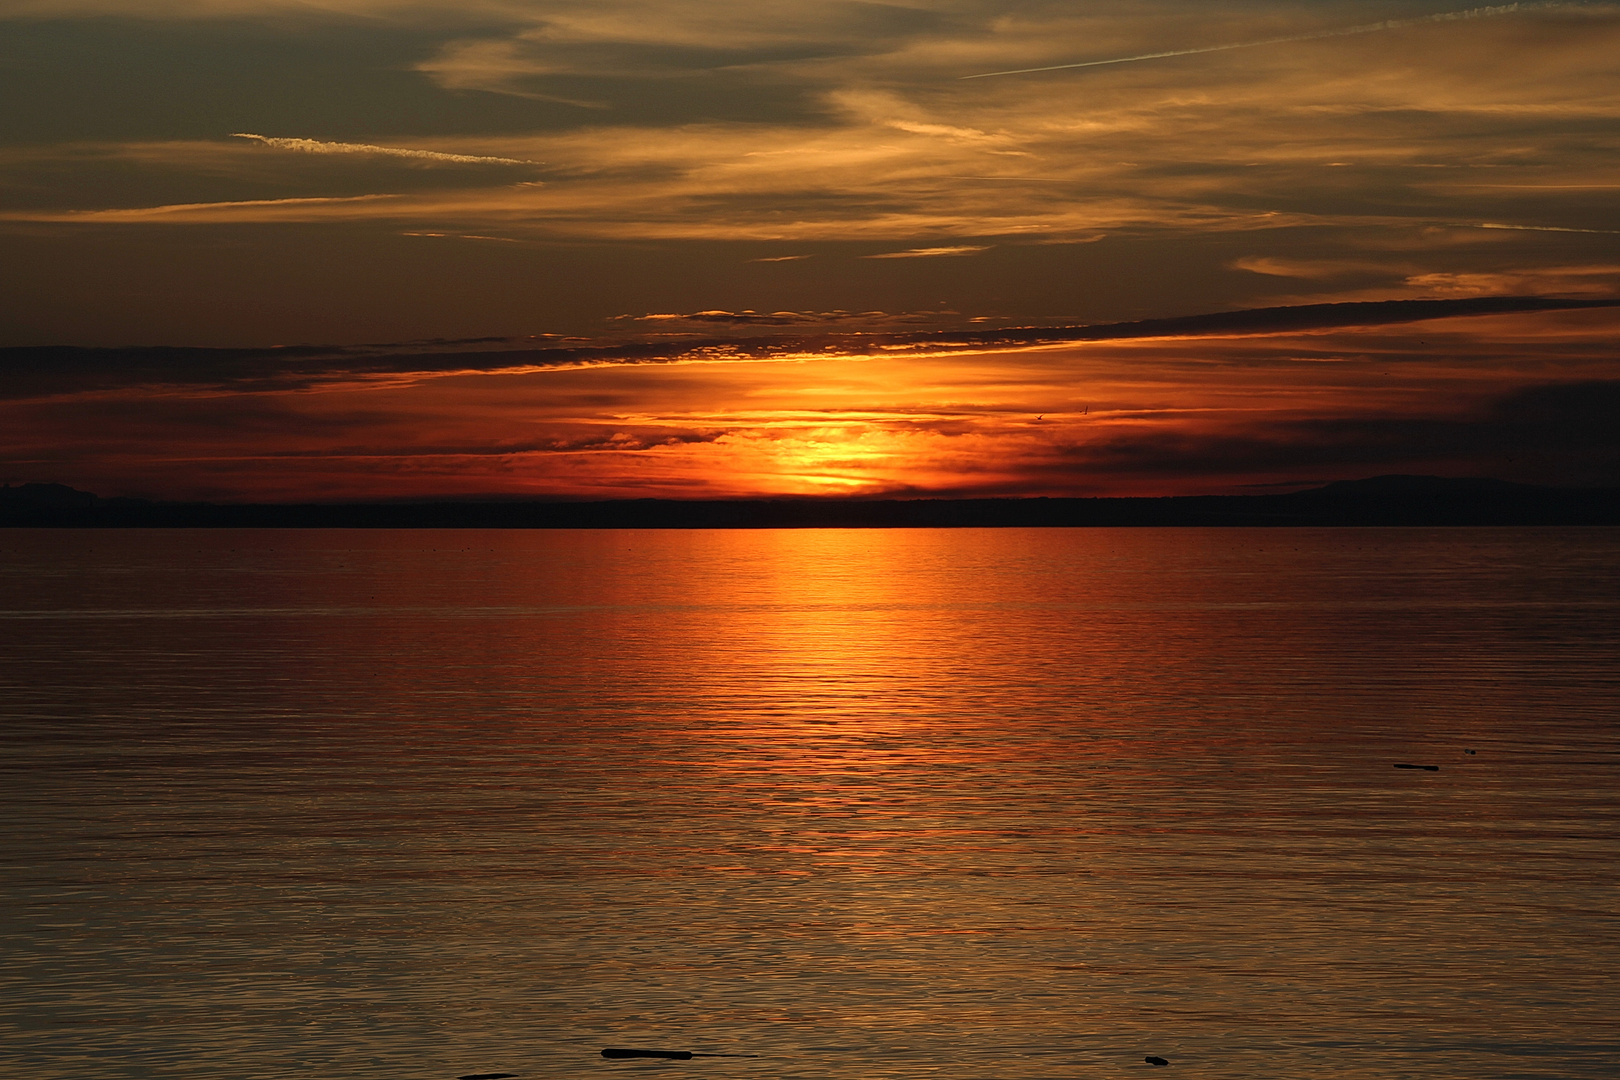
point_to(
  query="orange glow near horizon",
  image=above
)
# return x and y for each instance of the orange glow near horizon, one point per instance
(1149, 417)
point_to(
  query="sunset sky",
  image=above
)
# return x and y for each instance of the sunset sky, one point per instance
(348, 249)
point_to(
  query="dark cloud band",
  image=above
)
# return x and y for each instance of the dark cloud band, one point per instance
(29, 372)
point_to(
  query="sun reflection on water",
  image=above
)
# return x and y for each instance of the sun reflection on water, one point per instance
(1021, 802)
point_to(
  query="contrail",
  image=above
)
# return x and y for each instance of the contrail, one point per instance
(316, 146)
(1369, 28)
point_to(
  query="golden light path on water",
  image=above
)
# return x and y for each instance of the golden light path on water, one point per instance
(907, 803)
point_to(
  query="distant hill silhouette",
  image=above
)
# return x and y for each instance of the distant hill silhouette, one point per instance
(1379, 500)
(1404, 484)
(51, 496)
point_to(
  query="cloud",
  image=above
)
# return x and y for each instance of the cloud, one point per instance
(463, 236)
(749, 318)
(38, 372)
(1546, 228)
(890, 110)
(1566, 427)
(643, 40)
(305, 208)
(1595, 280)
(931, 252)
(316, 146)
(497, 67)
(766, 127)
(872, 142)
(1309, 269)
(404, 10)
(1406, 277)
(563, 442)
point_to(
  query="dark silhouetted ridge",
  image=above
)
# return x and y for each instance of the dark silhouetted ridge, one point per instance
(1398, 484)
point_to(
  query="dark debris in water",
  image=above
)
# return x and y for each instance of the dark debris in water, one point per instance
(672, 1055)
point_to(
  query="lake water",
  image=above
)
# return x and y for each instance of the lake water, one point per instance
(1007, 804)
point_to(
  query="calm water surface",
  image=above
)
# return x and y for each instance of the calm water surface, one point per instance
(1008, 804)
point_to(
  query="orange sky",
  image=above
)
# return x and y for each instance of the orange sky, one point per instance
(240, 174)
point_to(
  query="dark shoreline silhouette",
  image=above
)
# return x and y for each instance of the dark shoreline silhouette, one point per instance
(1380, 501)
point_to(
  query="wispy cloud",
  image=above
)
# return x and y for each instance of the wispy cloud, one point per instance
(463, 236)
(1308, 269)
(317, 146)
(885, 167)
(641, 40)
(240, 210)
(931, 252)
(783, 128)
(495, 67)
(1545, 228)
(867, 319)
(1593, 280)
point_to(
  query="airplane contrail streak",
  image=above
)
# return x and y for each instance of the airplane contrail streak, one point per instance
(1369, 28)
